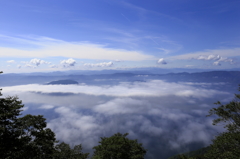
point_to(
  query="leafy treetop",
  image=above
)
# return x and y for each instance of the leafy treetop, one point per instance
(227, 144)
(228, 113)
(119, 146)
(27, 137)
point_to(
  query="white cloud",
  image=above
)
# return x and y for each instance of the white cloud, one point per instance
(189, 66)
(103, 64)
(226, 60)
(150, 128)
(81, 101)
(123, 89)
(217, 63)
(33, 63)
(53, 66)
(216, 58)
(68, 63)
(207, 53)
(173, 114)
(75, 126)
(82, 50)
(209, 57)
(122, 106)
(166, 126)
(37, 62)
(29, 66)
(11, 61)
(196, 133)
(46, 107)
(161, 61)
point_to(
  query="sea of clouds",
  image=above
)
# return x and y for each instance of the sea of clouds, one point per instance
(167, 117)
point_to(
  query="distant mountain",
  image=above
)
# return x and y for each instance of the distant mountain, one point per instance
(62, 82)
(226, 79)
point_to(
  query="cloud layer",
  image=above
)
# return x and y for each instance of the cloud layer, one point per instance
(123, 89)
(170, 116)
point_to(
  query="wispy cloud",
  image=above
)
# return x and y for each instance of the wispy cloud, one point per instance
(29, 66)
(103, 64)
(209, 57)
(11, 61)
(82, 50)
(53, 66)
(142, 12)
(117, 60)
(208, 54)
(163, 43)
(125, 17)
(46, 107)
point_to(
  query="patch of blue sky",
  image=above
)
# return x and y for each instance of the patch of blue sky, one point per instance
(135, 31)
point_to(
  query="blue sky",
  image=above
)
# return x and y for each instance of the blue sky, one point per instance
(51, 35)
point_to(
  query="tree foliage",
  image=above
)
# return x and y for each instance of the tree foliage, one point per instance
(64, 151)
(119, 147)
(228, 114)
(27, 137)
(23, 137)
(9, 128)
(227, 144)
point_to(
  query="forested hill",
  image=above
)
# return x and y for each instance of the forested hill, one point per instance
(62, 82)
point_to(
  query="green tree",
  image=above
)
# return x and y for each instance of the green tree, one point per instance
(77, 152)
(10, 108)
(227, 144)
(23, 137)
(119, 147)
(37, 140)
(64, 151)
(197, 154)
